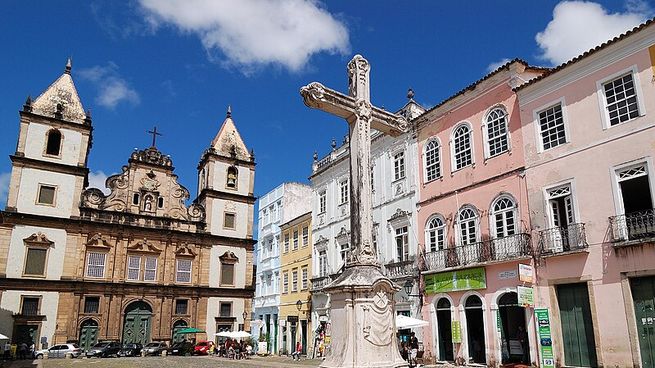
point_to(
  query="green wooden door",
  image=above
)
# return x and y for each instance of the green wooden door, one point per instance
(577, 326)
(136, 328)
(643, 294)
(177, 326)
(88, 335)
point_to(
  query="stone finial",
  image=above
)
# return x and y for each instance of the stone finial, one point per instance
(252, 154)
(69, 65)
(334, 144)
(410, 93)
(315, 156)
(27, 107)
(87, 119)
(229, 111)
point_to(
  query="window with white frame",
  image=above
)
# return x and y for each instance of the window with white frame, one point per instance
(504, 217)
(286, 242)
(294, 280)
(133, 267)
(295, 239)
(462, 147)
(560, 201)
(435, 234)
(343, 250)
(432, 160)
(467, 221)
(372, 178)
(343, 191)
(551, 127)
(304, 278)
(621, 99)
(274, 213)
(402, 244)
(305, 236)
(322, 263)
(183, 270)
(496, 129)
(399, 165)
(635, 191)
(285, 283)
(267, 219)
(95, 264)
(150, 269)
(322, 201)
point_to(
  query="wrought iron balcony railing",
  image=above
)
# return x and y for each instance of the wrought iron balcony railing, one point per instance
(320, 282)
(562, 239)
(499, 249)
(396, 270)
(633, 226)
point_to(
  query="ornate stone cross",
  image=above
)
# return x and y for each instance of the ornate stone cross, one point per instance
(154, 133)
(361, 116)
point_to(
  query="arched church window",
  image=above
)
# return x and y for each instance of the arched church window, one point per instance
(53, 142)
(160, 202)
(232, 176)
(135, 198)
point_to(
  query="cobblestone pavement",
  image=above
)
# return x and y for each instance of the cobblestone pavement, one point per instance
(164, 362)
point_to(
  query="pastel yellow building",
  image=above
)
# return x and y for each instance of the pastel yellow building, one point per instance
(295, 271)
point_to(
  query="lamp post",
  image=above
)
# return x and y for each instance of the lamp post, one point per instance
(244, 315)
(408, 286)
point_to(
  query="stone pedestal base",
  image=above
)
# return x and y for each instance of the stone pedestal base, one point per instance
(363, 320)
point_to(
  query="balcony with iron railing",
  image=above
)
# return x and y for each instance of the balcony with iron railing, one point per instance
(318, 283)
(401, 269)
(489, 251)
(560, 240)
(632, 227)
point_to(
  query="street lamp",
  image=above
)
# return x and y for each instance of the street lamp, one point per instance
(409, 285)
(244, 315)
(299, 305)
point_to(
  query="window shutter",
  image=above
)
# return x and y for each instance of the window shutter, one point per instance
(35, 264)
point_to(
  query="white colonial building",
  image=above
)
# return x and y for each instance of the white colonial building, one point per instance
(286, 202)
(395, 232)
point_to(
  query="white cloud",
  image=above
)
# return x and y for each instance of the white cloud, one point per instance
(97, 180)
(493, 66)
(112, 88)
(578, 26)
(255, 33)
(4, 189)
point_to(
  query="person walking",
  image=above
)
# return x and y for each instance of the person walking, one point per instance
(22, 350)
(413, 349)
(296, 354)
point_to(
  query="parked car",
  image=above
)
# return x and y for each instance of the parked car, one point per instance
(129, 350)
(203, 347)
(59, 351)
(104, 349)
(181, 348)
(154, 348)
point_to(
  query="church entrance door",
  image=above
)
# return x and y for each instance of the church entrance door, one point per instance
(177, 326)
(88, 334)
(136, 327)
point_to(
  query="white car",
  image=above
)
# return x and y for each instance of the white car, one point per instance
(59, 351)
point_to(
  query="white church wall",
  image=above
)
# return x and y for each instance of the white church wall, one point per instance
(29, 189)
(11, 302)
(215, 265)
(18, 251)
(219, 179)
(35, 144)
(213, 311)
(219, 208)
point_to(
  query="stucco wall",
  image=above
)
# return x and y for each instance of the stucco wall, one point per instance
(29, 189)
(18, 251)
(11, 303)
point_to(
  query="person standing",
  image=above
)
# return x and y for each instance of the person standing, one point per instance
(22, 350)
(7, 350)
(413, 348)
(296, 354)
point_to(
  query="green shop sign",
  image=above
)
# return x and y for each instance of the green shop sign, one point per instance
(545, 339)
(470, 279)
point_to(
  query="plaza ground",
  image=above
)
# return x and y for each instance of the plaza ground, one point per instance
(163, 362)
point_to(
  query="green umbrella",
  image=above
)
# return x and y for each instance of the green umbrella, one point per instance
(189, 330)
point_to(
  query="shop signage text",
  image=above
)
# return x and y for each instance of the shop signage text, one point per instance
(545, 339)
(470, 279)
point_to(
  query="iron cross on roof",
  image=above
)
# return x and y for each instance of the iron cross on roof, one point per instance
(361, 116)
(154, 133)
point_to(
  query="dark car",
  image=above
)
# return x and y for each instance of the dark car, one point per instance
(130, 350)
(154, 348)
(181, 348)
(104, 349)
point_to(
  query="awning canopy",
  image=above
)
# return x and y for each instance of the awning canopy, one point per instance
(403, 322)
(189, 330)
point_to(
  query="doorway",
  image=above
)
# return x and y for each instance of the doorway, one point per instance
(444, 331)
(577, 326)
(136, 327)
(643, 295)
(303, 336)
(514, 335)
(88, 334)
(293, 337)
(475, 329)
(177, 326)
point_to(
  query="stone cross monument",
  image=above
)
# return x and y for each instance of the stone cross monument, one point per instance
(361, 298)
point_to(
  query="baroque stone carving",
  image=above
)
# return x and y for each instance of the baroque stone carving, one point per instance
(143, 245)
(185, 249)
(312, 92)
(376, 328)
(98, 241)
(152, 156)
(229, 257)
(39, 239)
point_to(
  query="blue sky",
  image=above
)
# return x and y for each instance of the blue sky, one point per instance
(178, 64)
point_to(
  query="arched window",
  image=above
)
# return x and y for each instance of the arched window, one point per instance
(435, 234)
(503, 215)
(232, 176)
(462, 147)
(432, 160)
(467, 221)
(53, 142)
(496, 131)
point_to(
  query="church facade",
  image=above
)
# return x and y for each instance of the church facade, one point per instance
(135, 265)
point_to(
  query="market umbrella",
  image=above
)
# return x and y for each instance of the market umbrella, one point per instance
(3, 337)
(189, 330)
(409, 322)
(240, 334)
(224, 334)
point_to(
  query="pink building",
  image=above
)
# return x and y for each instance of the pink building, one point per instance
(473, 207)
(589, 135)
